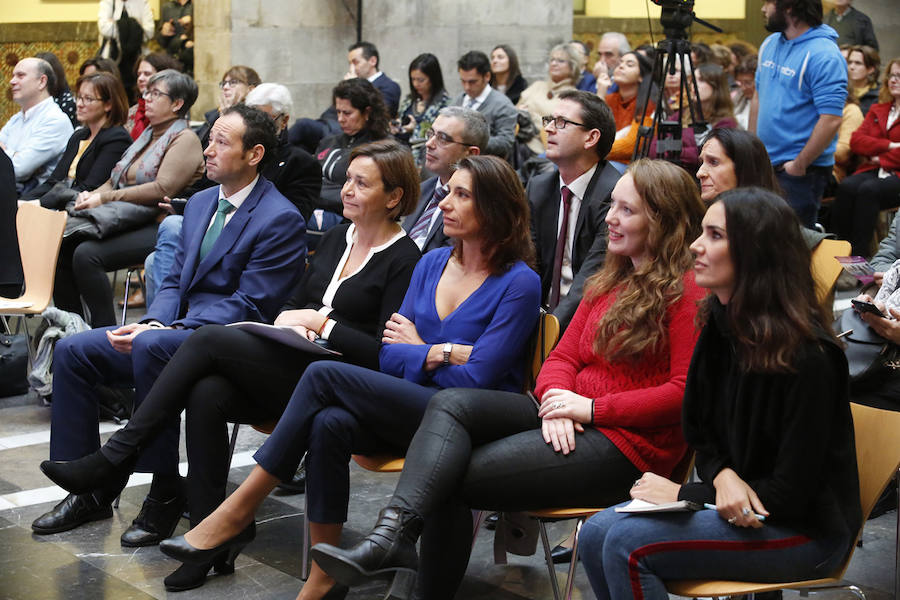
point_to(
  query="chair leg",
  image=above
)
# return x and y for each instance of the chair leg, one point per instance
(570, 579)
(477, 520)
(305, 557)
(231, 445)
(548, 556)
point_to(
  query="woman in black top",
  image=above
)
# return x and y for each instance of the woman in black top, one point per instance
(505, 74)
(95, 147)
(357, 279)
(363, 118)
(767, 413)
(60, 91)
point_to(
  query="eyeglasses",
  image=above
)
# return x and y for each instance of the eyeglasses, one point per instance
(154, 95)
(442, 138)
(86, 99)
(559, 61)
(231, 83)
(560, 122)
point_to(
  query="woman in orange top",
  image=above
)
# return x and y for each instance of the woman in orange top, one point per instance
(625, 103)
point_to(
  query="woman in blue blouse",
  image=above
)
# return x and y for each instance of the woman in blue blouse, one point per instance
(468, 329)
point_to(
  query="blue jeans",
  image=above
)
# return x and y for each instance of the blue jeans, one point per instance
(804, 193)
(631, 556)
(160, 261)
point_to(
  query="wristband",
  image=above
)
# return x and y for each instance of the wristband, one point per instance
(322, 328)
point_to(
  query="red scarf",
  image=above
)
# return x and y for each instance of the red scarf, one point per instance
(140, 120)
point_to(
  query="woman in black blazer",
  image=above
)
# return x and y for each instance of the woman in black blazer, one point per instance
(95, 147)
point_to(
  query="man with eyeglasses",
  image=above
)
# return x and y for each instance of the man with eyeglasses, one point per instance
(475, 75)
(456, 133)
(36, 136)
(569, 204)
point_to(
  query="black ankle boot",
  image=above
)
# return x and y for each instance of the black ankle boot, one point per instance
(85, 474)
(388, 551)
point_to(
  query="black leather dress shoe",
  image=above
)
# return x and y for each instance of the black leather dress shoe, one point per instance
(73, 511)
(156, 521)
(560, 554)
(297, 485)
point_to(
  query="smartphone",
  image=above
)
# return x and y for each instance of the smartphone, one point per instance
(178, 205)
(861, 306)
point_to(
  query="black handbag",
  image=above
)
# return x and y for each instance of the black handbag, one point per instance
(13, 365)
(870, 357)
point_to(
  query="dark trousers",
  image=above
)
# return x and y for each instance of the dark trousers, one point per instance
(86, 360)
(484, 449)
(804, 193)
(859, 199)
(338, 409)
(220, 375)
(82, 267)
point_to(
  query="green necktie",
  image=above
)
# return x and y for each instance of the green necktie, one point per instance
(215, 230)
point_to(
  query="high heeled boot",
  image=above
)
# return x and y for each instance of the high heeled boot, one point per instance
(388, 551)
(86, 474)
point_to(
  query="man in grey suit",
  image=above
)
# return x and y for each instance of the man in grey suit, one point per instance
(475, 75)
(569, 204)
(455, 134)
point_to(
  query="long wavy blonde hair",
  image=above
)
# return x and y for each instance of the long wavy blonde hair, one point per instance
(634, 325)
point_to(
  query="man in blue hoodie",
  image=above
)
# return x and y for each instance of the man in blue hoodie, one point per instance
(801, 83)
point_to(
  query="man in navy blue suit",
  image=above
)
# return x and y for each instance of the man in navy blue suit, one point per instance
(363, 59)
(242, 252)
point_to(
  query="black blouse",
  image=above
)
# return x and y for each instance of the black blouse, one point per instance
(365, 300)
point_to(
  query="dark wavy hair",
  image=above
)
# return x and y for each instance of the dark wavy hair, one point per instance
(502, 213)
(871, 60)
(398, 170)
(513, 58)
(431, 67)
(363, 96)
(752, 166)
(807, 11)
(773, 308)
(108, 88)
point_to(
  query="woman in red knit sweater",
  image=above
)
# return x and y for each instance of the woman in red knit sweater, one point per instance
(613, 386)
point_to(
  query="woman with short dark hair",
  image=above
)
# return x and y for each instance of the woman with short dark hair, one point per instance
(613, 386)
(465, 321)
(95, 147)
(767, 413)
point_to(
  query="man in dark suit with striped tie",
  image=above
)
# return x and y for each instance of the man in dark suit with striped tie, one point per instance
(456, 133)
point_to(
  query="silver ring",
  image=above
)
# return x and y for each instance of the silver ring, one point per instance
(732, 520)
(558, 404)
(745, 511)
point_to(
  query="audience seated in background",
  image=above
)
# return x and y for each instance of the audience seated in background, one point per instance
(363, 118)
(745, 75)
(540, 98)
(766, 413)
(176, 32)
(464, 322)
(569, 204)
(243, 253)
(616, 377)
(585, 80)
(355, 281)
(364, 63)
(863, 64)
(60, 90)
(293, 171)
(505, 74)
(456, 133)
(631, 76)
(610, 50)
(475, 75)
(164, 159)
(235, 85)
(94, 148)
(35, 137)
(148, 66)
(96, 65)
(427, 96)
(797, 120)
(853, 27)
(845, 161)
(717, 109)
(876, 184)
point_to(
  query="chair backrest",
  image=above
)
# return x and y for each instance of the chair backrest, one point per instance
(826, 268)
(40, 233)
(546, 336)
